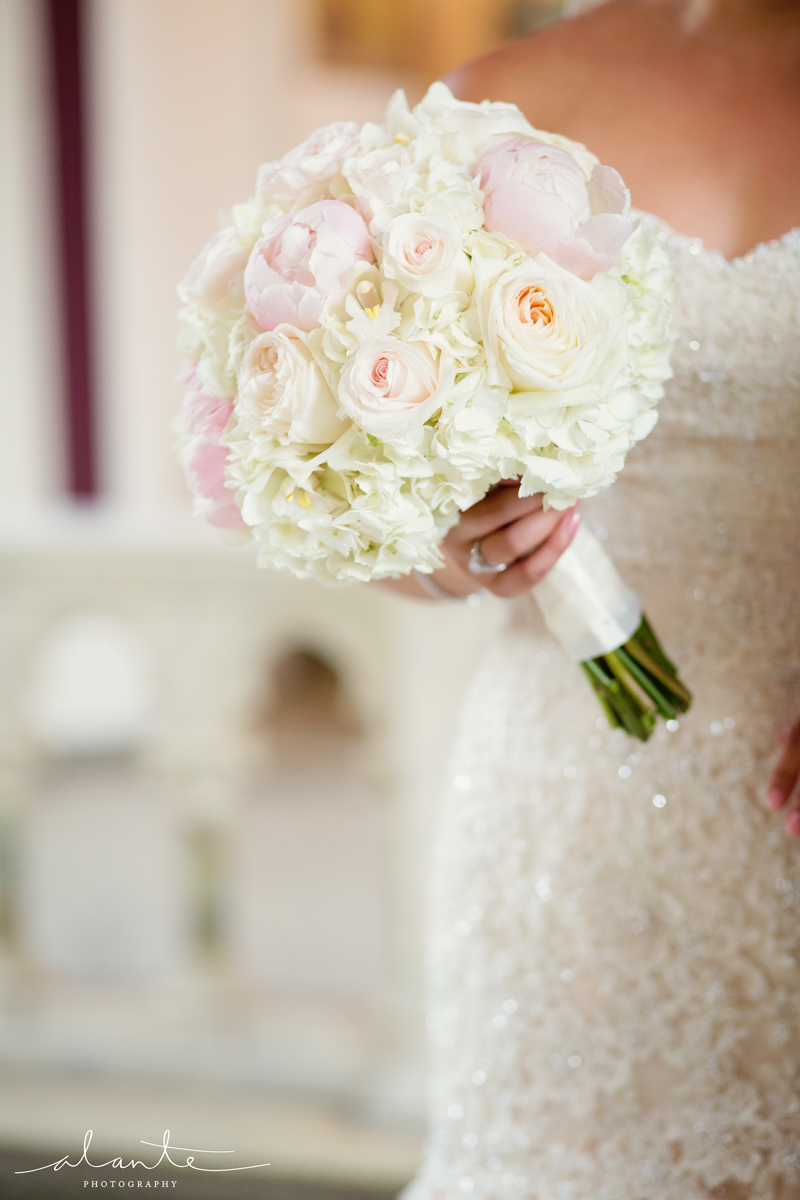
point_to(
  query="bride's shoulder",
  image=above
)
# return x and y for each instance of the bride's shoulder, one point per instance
(537, 73)
(552, 74)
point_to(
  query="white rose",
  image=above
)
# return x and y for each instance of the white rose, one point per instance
(211, 274)
(283, 392)
(380, 179)
(546, 330)
(305, 174)
(425, 254)
(391, 387)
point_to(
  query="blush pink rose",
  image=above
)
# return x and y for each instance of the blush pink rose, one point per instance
(202, 421)
(391, 387)
(539, 196)
(303, 258)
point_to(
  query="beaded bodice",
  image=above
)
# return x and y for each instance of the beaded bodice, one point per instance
(615, 948)
(731, 417)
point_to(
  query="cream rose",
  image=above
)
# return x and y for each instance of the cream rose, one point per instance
(547, 330)
(379, 179)
(211, 274)
(391, 387)
(283, 392)
(424, 253)
(304, 175)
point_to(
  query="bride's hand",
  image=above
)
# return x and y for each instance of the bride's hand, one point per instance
(509, 529)
(783, 780)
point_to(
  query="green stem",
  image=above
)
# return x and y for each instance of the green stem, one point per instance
(644, 681)
(636, 683)
(669, 679)
(627, 680)
(645, 637)
(592, 665)
(599, 691)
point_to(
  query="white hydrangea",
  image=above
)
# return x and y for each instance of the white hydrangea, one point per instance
(450, 361)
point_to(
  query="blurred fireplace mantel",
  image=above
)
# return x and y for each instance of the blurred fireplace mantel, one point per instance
(430, 37)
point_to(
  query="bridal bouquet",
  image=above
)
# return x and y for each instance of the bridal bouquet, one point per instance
(405, 314)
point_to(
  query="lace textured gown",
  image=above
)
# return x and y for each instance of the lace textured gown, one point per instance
(615, 942)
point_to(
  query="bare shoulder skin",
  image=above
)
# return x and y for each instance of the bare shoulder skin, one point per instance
(695, 102)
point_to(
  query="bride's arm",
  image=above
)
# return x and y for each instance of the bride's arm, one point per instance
(782, 786)
(511, 530)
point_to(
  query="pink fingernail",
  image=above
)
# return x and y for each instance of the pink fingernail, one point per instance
(793, 824)
(775, 799)
(571, 522)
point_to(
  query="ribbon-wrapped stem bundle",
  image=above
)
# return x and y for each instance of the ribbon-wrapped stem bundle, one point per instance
(600, 623)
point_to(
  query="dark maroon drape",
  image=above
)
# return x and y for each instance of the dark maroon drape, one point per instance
(65, 24)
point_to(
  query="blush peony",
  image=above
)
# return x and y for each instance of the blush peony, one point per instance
(539, 196)
(302, 259)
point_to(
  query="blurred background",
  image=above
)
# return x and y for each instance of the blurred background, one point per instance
(217, 786)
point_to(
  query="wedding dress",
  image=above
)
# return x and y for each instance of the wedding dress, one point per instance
(615, 941)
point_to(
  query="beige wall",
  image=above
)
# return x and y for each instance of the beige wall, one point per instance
(188, 98)
(29, 468)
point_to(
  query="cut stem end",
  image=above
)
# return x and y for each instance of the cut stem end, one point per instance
(637, 683)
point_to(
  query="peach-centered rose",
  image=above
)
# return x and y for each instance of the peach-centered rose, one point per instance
(284, 392)
(551, 332)
(539, 196)
(534, 307)
(391, 387)
(302, 259)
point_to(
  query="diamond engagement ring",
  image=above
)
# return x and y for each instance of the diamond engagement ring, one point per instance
(478, 564)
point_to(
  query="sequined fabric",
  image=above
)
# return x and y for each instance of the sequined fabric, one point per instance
(615, 941)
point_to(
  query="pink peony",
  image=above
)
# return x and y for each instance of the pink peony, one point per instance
(302, 259)
(539, 196)
(202, 422)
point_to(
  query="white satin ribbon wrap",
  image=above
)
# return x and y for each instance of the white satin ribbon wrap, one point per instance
(585, 604)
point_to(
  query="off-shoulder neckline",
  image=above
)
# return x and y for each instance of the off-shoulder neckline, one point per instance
(696, 245)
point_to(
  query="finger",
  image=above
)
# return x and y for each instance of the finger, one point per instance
(505, 483)
(524, 575)
(496, 510)
(520, 538)
(793, 816)
(783, 736)
(785, 775)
